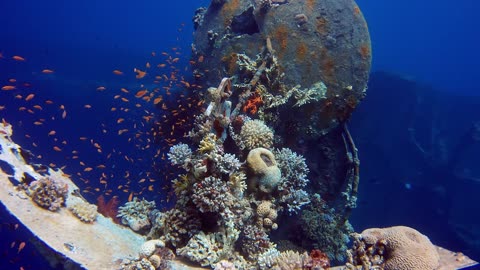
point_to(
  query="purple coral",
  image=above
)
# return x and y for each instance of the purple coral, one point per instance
(48, 193)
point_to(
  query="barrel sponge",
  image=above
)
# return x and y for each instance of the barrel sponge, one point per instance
(406, 248)
(266, 173)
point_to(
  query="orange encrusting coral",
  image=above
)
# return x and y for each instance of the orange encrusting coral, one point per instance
(252, 104)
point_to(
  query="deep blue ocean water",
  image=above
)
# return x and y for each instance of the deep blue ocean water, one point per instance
(428, 45)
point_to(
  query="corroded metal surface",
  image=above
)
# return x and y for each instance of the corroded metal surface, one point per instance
(312, 40)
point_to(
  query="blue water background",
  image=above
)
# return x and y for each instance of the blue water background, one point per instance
(433, 42)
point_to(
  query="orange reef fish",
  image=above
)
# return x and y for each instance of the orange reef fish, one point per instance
(117, 72)
(47, 71)
(18, 58)
(8, 87)
(140, 74)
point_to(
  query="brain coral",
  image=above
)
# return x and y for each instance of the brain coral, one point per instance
(255, 133)
(406, 248)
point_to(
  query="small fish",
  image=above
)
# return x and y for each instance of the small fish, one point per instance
(101, 88)
(141, 93)
(130, 197)
(29, 97)
(12, 80)
(38, 107)
(88, 169)
(48, 102)
(18, 58)
(47, 71)
(21, 247)
(117, 72)
(87, 106)
(147, 65)
(8, 87)
(56, 148)
(64, 114)
(140, 74)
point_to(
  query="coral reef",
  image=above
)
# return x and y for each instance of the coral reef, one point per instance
(179, 154)
(266, 174)
(48, 193)
(176, 226)
(294, 179)
(135, 214)
(398, 247)
(255, 134)
(84, 211)
(212, 195)
(326, 231)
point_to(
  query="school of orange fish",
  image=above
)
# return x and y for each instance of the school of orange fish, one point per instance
(165, 117)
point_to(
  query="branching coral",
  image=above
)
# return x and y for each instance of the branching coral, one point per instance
(135, 214)
(48, 193)
(254, 241)
(212, 195)
(317, 92)
(176, 226)
(294, 179)
(180, 154)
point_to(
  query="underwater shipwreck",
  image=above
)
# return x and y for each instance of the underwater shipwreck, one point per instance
(269, 173)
